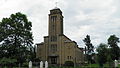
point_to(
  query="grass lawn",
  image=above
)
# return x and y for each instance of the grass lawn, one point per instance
(97, 66)
(88, 66)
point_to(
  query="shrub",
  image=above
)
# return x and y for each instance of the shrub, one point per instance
(69, 63)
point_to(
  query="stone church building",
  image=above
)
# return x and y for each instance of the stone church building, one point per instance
(58, 48)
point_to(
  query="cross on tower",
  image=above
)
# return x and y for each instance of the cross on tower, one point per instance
(56, 4)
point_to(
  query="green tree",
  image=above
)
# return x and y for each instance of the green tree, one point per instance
(102, 51)
(89, 49)
(16, 37)
(7, 62)
(114, 48)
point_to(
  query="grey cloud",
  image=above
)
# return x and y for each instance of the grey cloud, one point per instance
(81, 17)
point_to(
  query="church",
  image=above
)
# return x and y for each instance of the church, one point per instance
(57, 48)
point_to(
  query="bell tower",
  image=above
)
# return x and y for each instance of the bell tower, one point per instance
(57, 48)
(55, 22)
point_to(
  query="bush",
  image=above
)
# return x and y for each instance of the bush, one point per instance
(69, 63)
(7, 61)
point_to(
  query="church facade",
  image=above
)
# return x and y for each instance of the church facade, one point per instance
(58, 48)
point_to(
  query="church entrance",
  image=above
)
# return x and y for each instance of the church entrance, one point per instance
(53, 60)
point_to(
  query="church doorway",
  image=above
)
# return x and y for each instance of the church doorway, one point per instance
(53, 60)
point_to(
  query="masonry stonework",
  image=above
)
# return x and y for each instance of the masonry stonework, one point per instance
(58, 48)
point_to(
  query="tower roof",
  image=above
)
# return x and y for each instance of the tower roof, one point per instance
(56, 8)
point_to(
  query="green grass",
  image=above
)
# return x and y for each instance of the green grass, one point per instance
(91, 65)
(88, 66)
(97, 66)
(13, 67)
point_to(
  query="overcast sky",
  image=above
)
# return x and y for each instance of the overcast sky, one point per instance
(97, 18)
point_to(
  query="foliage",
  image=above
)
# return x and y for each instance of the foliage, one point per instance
(89, 49)
(16, 37)
(102, 54)
(69, 63)
(114, 48)
(7, 62)
(108, 52)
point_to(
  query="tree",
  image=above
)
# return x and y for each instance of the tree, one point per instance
(7, 62)
(102, 54)
(16, 37)
(114, 48)
(90, 48)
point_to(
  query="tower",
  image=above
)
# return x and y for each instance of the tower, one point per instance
(55, 30)
(55, 23)
(57, 48)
